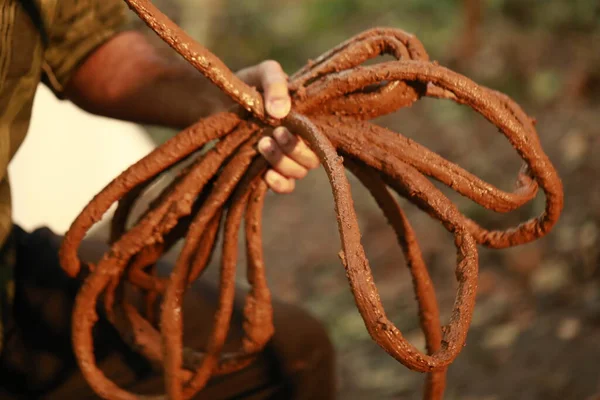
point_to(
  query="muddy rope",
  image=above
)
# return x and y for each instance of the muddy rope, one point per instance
(333, 96)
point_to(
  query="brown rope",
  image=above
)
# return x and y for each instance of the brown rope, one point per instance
(333, 96)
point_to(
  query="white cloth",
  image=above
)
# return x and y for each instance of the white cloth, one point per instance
(67, 157)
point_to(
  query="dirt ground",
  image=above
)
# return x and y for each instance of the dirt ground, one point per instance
(536, 329)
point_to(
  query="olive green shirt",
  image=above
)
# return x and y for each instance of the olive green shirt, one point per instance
(40, 41)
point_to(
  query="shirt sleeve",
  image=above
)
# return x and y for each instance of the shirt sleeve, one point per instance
(74, 28)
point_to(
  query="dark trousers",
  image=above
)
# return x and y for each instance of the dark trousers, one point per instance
(37, 359)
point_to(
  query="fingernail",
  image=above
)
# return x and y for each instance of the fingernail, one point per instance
(278, 107)
(266, 145)
(281, 135)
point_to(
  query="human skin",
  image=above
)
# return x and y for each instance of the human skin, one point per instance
(127, 78)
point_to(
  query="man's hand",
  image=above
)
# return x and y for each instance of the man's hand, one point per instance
(289, 156)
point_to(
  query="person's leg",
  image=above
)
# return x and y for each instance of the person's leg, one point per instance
(298, 363)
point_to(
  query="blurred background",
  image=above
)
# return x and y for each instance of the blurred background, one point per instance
(536, 329)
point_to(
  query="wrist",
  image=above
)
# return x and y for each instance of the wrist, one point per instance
(190, 96)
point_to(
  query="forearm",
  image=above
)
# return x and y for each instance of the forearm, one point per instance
(127, 78)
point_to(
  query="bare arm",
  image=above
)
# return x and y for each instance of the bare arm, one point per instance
(126, 78)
